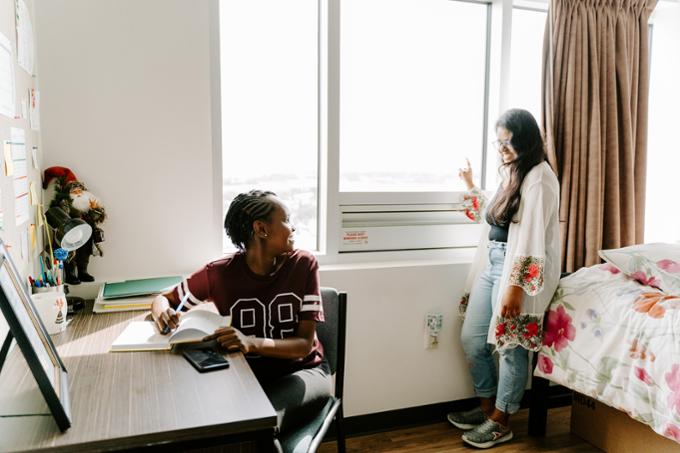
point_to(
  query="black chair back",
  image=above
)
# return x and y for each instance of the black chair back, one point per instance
(331, 333)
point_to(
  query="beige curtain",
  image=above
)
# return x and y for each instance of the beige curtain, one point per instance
(595, 94)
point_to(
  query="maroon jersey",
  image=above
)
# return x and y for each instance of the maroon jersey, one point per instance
(263, 306)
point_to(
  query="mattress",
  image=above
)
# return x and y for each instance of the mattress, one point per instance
(612, 338)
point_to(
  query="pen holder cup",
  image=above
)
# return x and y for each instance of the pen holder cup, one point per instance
(51, 305)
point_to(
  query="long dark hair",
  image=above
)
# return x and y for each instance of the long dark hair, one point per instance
(244, 209)
(527, 142)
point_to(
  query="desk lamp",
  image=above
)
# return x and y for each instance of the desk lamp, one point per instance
(70, 235)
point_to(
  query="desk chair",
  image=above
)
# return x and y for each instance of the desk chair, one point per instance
(331, 333)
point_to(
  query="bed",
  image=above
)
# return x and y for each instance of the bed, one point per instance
(614, 335)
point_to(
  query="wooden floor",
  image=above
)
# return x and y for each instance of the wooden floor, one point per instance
(442, 437)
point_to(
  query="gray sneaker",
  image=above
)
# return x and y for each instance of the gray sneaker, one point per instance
(467, 419)
(487, 435)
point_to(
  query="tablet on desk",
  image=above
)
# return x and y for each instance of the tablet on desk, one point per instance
(205, 359)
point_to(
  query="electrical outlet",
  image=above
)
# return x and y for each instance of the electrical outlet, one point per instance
(433, 325)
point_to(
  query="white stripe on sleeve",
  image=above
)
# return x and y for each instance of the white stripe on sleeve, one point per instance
(192, 298)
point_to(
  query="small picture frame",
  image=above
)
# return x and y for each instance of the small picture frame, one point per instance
(35, 344)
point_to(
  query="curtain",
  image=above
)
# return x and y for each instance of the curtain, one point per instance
(595, 95)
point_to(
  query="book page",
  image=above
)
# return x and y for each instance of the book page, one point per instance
(144, 335)
(141, 336)
(197, 324)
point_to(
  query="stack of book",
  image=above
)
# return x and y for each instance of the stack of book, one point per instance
(132, 294)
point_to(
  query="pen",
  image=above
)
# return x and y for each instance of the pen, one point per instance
(166, 329)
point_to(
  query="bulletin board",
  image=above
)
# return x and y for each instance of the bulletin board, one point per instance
(20, 175)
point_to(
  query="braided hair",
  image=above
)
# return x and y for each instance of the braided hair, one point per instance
(245, 209)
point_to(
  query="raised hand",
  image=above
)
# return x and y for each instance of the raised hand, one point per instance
(466, 175)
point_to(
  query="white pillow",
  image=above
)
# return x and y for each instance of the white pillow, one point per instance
(656, 265)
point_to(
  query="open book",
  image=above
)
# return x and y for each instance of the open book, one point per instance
(144, 335)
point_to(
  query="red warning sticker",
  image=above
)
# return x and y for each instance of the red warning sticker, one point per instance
(355, 237)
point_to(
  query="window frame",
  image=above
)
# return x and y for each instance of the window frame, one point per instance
(329, 197)
(335, 201)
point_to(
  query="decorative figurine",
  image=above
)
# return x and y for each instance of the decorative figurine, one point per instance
(73, 197)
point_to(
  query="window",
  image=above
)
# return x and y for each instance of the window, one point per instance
(269, 87)
(412, 85)
(358, 113)
(662, 219)
(526, 59)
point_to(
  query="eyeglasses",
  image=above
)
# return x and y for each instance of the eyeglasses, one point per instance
(500, 144)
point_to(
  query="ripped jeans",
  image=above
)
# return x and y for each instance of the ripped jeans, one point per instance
(509, 381)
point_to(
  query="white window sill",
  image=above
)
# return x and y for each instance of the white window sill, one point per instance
(405, 258)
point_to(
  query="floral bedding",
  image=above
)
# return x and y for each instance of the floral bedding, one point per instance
(612, 338)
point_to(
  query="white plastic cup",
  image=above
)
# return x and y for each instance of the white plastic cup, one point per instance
(51, 305)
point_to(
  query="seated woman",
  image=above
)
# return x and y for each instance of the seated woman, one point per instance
(271, 291)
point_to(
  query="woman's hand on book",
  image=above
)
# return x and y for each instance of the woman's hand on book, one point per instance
(232, 339)
(164, 315)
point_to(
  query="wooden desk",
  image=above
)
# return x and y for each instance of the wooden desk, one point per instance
(130, 399)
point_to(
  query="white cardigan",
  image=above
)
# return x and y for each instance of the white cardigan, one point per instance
(532, 259)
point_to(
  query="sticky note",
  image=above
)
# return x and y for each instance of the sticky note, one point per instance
(34, 237)
(34, 195)
(35, 158)
(7, 150)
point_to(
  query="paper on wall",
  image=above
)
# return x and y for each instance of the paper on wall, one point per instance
(33, 194)
(7, 99)
(34, 152)
(24, 37)
(24, 243)
(21, 202)
(33, 237)
(7, 156)
(24, 109)
(34, 108)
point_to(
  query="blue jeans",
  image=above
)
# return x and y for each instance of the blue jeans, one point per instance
(513, 364)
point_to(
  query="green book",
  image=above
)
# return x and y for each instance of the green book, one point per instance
(141, 287)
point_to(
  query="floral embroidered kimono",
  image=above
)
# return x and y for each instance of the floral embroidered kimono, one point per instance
(532, 259)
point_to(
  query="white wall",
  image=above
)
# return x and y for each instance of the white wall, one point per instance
(387, 365)
(127, 106)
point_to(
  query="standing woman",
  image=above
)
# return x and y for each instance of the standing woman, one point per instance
(512, 280)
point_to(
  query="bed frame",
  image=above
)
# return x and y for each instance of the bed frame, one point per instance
(544, 397)
(541, 400)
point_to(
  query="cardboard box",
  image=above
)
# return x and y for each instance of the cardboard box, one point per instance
(614, 431)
